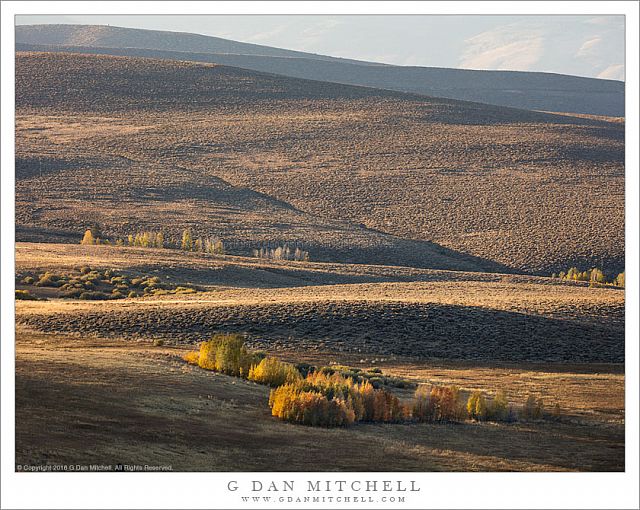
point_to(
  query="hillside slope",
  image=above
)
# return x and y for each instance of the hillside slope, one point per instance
(358, 309)
(535, 91)
(120, 37)
(357, 174)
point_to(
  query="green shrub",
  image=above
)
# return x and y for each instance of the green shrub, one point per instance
(375, 377)
(326, 370)
(184, 290)
(92, 277)
(28, 280)
(48, 280)
(95, 296)
(376, 382)
(72, 294)
(25, 295)
(396, 382)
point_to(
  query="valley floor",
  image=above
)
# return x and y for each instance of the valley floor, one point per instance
(113, 402)
(91, 387)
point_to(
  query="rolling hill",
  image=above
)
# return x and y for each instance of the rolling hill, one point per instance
(432, 226)
(528, 90)
(354, 174)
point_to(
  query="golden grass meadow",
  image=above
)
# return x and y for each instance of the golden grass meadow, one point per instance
(221, 269)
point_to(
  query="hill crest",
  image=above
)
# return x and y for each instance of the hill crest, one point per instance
(525, 90)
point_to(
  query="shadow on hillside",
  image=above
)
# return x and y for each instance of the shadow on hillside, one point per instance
(461, 112)
(272, 276)
(342, 246)
(39, 166)
(423, 330)
(544, 443)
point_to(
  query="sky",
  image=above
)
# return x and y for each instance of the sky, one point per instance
(580, 45)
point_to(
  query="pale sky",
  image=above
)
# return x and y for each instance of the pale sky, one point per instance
(580, 45)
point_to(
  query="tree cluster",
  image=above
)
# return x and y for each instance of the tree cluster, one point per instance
(594, 276)
(284, 252)
(210, 245)
(274, 373)
(151, 239)
(333, 400)
(338, 396)
(227, 354)
(446, 404)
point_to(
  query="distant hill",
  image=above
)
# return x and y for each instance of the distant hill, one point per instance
(533, 91)
(118, 37)
(354, 174)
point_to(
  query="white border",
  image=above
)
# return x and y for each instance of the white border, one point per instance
(207, 490)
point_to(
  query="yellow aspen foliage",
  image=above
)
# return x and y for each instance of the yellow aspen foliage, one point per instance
(273, 372)
(88, 238)
(192, 357)
(477, 406)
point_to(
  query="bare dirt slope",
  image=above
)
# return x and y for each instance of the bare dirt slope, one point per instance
(358, 174)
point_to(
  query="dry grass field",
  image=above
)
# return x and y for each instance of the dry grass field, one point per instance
(357, 175)
(348, 308)
(432, 226)
(99, 401)
(88, 372)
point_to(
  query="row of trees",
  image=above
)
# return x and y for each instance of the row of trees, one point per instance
(446, 404)
(284, 252)
(328, 398)
(593, 276)
(189, 242)
(320, 398)
(144, 240)
(201, 244)
(151, 239)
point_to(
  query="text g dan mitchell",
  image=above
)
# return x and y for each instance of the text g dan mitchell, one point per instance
(325, 486)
